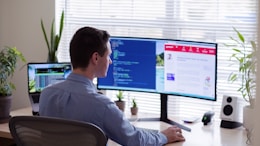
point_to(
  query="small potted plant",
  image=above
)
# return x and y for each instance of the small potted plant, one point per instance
(119, 102)
(8, 62)
(134, 108)
(245, 73)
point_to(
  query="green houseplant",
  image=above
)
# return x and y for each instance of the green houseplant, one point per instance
(54, 40)
(120, 102)
(8, 62)
(134, 108)
(246, 59)
(244, 55)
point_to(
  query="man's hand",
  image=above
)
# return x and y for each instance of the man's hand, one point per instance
(173, 134)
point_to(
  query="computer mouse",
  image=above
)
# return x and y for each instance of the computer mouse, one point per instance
(207, 117)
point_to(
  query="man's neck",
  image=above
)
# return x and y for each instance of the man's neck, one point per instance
(83, 72)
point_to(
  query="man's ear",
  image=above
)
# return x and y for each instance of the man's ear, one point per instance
(94, 57)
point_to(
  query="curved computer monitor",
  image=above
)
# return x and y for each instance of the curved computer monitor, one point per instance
(164, 66)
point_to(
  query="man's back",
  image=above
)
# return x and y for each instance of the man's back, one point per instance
(75, 99)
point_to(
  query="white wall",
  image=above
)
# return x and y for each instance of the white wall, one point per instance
(20, 27)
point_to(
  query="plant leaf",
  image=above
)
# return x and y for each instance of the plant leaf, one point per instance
(61, 23)
(45, 36)
(240, 36)
(52, 37)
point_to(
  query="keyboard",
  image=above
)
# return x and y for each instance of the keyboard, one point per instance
(167, 121)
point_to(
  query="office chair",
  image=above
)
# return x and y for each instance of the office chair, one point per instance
(49, 131)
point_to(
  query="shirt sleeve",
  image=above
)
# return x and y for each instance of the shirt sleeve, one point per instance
(120, 130)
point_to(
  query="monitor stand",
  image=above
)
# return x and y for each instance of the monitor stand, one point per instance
(164, 115)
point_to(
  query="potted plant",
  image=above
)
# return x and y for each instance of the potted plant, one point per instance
(134, 108)
(8, 61)
(119, 102)
(53, 42)
(244, 55)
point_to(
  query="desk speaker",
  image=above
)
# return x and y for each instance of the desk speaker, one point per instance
(230, 112)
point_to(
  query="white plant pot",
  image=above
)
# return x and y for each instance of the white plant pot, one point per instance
(248, 117)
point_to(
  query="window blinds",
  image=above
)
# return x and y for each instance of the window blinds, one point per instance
(200, 20)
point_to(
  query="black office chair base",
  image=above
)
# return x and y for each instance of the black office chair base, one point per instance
(230, 124)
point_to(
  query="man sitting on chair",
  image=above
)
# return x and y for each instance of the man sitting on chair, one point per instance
(77, 98)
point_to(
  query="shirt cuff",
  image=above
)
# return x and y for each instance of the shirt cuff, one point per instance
(163, 138)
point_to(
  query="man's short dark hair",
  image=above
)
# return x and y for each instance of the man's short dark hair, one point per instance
(85, 42)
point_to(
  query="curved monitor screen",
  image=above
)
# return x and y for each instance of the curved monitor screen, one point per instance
(172, 67)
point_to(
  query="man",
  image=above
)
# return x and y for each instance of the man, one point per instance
(76, 98)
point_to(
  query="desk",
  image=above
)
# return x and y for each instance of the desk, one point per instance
(4, 128)
(210, 135)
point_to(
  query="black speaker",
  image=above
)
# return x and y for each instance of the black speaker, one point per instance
(230, 112)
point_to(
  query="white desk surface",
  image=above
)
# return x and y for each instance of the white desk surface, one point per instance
(200, 135)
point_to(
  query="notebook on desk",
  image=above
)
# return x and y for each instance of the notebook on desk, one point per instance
(41, 75)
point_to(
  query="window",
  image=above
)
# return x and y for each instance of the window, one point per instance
(199, 20)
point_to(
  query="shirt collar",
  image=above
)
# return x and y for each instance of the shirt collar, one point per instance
(80, 78)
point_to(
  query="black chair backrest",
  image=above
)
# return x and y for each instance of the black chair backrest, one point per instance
(49, 131)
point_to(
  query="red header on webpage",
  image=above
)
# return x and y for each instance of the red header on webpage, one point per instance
(190, 49)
